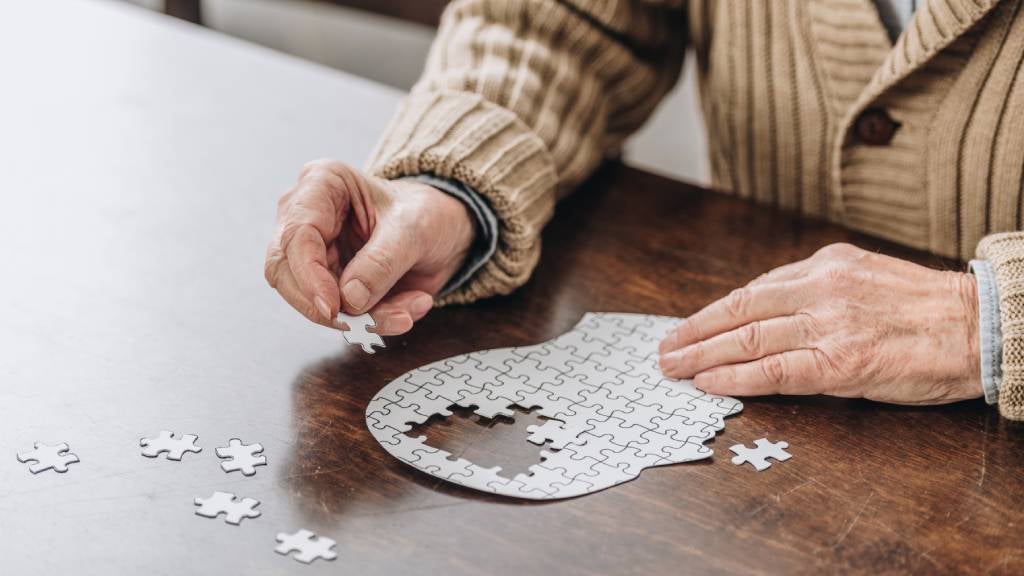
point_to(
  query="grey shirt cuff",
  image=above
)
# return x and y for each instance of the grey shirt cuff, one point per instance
(486, 243)
(990, 330)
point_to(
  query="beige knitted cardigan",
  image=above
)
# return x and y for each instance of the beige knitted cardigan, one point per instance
(521, 99)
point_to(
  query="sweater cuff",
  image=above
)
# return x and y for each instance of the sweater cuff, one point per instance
(463, 137)
(486, 242)
(1005, 253)
(989, 330)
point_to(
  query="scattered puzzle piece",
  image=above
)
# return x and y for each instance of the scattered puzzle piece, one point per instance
(226, 503)
(758, 457)
(611, 413)
(166, 443)
(357, 332)
(46, 457)
(242, 457)
(308, 545)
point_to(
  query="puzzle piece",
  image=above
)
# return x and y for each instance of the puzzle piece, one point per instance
(226, 503)
(759, 456)
(166, 443)
(308, 545)
(241, 457)
(357, 332)
(611, 413)
(487, 406)
(46, 457)
(555, 431)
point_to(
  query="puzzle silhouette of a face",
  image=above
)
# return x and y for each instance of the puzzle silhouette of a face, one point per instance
(611, 412)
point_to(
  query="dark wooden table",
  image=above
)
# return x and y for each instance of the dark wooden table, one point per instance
(132, 300)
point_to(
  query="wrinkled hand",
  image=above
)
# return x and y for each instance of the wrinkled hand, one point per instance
(345, 240)
(844, 322)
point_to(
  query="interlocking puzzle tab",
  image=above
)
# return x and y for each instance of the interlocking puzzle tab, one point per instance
(610, 412)
(226, 503)
(758, 456)
(46, 457)
(357, 332)
(307, 544)
(166, 443)
(241, 457)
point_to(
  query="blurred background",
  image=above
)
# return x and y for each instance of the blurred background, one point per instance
(387, 41)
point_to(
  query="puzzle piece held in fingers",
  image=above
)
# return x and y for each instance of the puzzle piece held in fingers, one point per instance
(358, 332)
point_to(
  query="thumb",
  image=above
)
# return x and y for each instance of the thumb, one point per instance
(376, 267)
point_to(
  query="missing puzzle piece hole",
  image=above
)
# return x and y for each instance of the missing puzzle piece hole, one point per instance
(486, 442)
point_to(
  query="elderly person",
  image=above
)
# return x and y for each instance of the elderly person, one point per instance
(897, 118)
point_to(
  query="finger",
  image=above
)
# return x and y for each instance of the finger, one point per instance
(290, 291)
(334, 259)
(307, 257)
(376, 267)
(749, 342)
(395, 314)
(794, 372)
(742, 306)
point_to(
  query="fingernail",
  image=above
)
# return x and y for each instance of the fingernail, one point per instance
(668, 342)
(421, 305)
(322, 306)
(397, 323)
(668, 362)
(356, 294)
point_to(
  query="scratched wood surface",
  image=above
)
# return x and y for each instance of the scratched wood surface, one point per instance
(132, 300)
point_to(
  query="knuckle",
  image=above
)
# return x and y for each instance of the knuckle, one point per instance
(272, 266)
(761, 279)
(839, 250)
(749, 339)
(330, 173)
(320, 166)
(285, 200)
(738, 302)
(774, 370)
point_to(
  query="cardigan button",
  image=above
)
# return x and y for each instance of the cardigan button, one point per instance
(875, 127)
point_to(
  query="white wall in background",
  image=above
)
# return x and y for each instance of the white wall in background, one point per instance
(151, 4)
(393, 51)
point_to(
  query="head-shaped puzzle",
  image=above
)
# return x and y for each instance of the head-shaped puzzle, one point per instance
(611, 412)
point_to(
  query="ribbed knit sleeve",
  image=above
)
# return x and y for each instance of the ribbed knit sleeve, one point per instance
(521, 99)
(1005, 252)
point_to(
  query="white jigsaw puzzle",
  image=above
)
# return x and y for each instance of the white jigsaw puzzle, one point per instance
(45, 457)
(241, 457)
(166, 443)
(357, 332)
(233, 508)
(610, 412)
(758, 456)
(307, 544)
